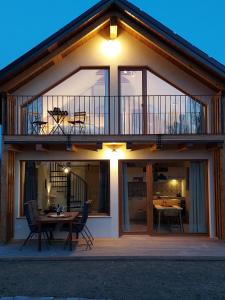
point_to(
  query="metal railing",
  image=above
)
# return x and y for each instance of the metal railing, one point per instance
(107, 115)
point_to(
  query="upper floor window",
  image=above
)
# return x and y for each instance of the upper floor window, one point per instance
(77, 105)
(85, 82)
(150, 105)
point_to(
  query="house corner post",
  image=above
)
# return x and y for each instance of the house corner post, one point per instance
(222, 166)
(3, 203)
(7, 195)
(222, 190)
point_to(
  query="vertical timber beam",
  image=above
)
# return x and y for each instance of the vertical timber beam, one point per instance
(3, 113)
(217, 113)
(7, 195)
(223, 112)
(219, 169)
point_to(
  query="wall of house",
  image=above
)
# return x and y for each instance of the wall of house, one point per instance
(108, 226)
(129, 52)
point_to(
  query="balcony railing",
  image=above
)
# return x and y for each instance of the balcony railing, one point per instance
(106, 115)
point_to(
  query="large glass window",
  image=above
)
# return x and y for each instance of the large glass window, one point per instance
(68, 184)
(83, 97)
(150, 105)
(169, 111)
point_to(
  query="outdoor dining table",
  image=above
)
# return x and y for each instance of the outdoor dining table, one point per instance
(58, 116)
(53, 218)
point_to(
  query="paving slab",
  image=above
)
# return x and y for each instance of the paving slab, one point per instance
(126, 247)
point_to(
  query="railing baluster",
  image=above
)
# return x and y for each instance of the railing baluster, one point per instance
(94, 116)
(99, 115)
(164, 114)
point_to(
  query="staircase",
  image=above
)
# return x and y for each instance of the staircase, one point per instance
(71, 184)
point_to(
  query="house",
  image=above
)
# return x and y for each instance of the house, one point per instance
(117, 109)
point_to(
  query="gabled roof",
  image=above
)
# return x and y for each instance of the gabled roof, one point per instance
(201, 59)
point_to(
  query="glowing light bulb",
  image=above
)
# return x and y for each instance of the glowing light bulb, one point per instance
(111, 48)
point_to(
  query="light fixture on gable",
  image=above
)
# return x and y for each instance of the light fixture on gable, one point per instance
(113, 28)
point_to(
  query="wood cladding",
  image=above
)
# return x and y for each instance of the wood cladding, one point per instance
(216, 114)
(219, 206)
(11, 115)
(7, 195)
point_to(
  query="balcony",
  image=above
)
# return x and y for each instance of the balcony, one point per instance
(107, 115)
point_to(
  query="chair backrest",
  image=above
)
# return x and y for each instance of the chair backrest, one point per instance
(35, 116)
(171, 213)
(30, 210)
(80, 116)
(85, 212)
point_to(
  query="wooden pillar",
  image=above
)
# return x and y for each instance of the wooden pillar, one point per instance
(219, 187)
(68, 191)
(7, 195)
(216, 114)
(3, 114)
(223, 112)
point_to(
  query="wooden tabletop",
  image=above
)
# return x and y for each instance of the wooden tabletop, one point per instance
(65, 217)
(174, 207)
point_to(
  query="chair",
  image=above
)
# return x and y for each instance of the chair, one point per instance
(37, 124)
(80, 227)
(78, 121)
(176, 215)
(31, 213)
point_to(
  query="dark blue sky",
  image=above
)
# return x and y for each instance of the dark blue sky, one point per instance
(25, 23)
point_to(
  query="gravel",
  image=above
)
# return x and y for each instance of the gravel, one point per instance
(114, 279)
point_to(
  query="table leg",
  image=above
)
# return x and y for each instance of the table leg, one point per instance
(181, 222)
(39, 236)
(70, 235)
(57, 128)
(61, 129)
(159, 220)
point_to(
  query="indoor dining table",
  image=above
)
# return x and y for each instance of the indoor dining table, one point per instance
(53, 218)
(161, 208)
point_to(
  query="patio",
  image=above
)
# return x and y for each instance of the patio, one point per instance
(126, 247)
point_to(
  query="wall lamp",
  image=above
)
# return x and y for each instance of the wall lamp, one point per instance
(113, 28)
(67, 168)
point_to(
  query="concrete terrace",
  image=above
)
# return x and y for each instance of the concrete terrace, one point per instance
(125, 247)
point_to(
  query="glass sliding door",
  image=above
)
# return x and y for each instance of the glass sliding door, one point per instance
(164, 197)
(197, 207)
(134, 206)
(131, 108)
(179, 197)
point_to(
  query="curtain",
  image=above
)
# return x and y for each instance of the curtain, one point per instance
(197, 206)
(31, 181)
(104, 187)
(125, 204)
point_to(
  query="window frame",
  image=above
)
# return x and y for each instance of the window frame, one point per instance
(21, 193)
